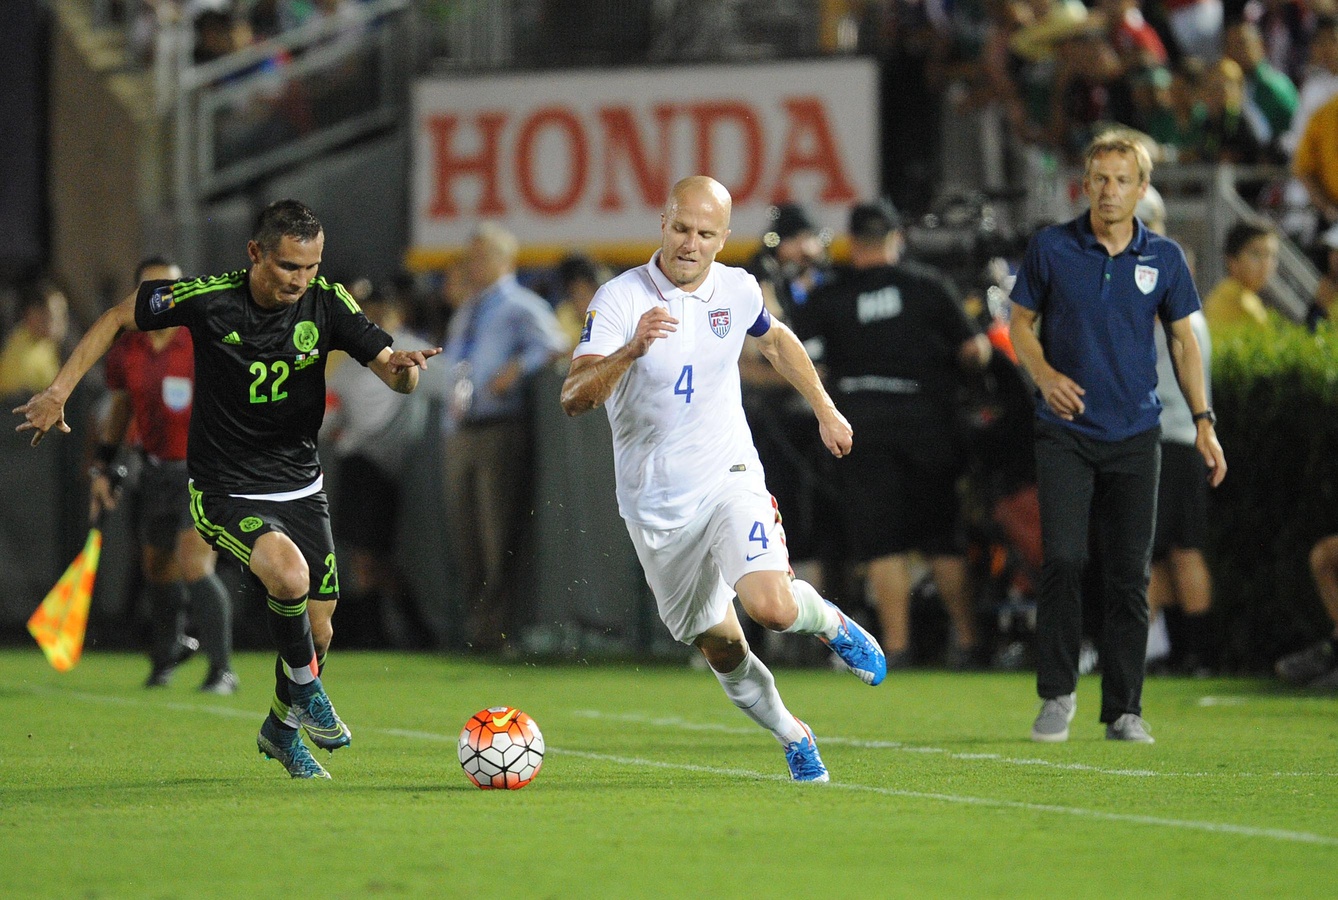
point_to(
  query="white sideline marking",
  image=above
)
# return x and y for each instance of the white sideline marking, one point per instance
(1279, 834)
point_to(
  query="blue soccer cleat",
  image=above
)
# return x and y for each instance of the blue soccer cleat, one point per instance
(318, 717)
(857, 649)
(285, 745)
(802, 756)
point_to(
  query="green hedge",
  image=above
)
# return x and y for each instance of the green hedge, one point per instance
(1275, 390)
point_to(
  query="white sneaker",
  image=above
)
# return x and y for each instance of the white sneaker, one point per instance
(1052, 723)
(1129, 727)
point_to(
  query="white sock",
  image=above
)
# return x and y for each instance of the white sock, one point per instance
(816, 615)
(752, 688)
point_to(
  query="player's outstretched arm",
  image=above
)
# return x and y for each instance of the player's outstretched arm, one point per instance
(46, 409)
(591, 379)
(399, 368)
(785, 352)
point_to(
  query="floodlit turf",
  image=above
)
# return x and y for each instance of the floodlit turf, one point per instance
(654, 786)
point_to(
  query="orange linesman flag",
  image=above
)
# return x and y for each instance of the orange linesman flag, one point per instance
(59, 623)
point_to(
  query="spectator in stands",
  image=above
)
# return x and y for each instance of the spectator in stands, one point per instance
(1139, 48)
(1228, 135)
(372, 437)
(1270, 96)
(1180, 577)
(1251, 260)
(1320, 82)
(578, 277)
(1196, 27)
(501, 336)
(34, 349)
(1315, 163)
(1287, 28)
(1173, 113)
(894, 339)
(1316, 666)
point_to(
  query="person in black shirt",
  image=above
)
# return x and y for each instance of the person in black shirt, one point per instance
(261, 337)
(893, 339)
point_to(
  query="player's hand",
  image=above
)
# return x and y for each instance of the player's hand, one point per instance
(655, 323)
(1063, 395)
(837, 435)
(40, 414)
(102, 496)
(1213, 456)
(402, 360)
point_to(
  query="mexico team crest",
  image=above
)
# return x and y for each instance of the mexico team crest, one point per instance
(719, 319)
(1146, 278)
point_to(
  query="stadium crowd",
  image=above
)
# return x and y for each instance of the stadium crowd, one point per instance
(1207, 81)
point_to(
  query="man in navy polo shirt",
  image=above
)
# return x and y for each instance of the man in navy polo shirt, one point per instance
(1098, 285)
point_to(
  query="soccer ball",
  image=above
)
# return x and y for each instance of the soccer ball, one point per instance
(501, 747)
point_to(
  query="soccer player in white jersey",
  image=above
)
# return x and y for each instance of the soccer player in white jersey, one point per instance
(661, 347)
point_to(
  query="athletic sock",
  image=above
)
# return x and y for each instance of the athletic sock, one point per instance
(291, 630)
(167, 605)
(752, 688)
(211, 610)
(816, 615)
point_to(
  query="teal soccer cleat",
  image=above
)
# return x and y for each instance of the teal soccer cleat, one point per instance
(286, 746)
(318, 717)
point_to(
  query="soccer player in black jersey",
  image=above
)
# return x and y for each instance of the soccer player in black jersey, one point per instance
(261, 338)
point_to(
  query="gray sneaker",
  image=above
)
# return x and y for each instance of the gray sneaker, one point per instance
(1304, 666)
(1052, 724)
(1129, 727)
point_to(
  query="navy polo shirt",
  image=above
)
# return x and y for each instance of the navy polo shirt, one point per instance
(1098, 313)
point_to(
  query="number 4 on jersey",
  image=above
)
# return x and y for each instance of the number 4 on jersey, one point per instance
(684, 385)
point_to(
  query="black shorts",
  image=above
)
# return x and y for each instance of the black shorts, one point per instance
(1182, 500)
(895, 504)
(162, 503)
(234, 524)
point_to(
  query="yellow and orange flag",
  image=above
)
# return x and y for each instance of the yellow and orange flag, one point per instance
(59, 623)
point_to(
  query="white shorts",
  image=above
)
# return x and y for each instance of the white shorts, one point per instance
(692, 570)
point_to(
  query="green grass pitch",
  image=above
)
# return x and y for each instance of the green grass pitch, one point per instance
(655, 786)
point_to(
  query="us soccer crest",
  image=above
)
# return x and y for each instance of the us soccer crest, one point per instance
(719, 319)
(1146, 278)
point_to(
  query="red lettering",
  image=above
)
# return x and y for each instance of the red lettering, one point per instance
(447, 166)
(810, 146)
(622, 140)
(706, 116)
(578, 159)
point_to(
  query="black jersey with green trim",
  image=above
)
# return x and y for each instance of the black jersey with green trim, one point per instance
(259, 375)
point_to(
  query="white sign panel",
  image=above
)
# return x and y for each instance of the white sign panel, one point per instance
(587, 159)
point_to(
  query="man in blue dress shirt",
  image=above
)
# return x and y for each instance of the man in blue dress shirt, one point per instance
(497, 339)
(1097, 286)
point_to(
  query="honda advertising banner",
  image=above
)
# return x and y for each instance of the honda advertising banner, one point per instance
(586, 159)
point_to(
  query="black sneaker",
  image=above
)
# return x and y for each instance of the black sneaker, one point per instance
(161, 673)
(223, 682)
(1308, 664)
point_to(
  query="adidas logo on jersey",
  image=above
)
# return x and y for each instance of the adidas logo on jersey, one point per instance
(232, 338)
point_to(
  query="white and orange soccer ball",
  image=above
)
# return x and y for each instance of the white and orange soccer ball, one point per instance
(501, 747)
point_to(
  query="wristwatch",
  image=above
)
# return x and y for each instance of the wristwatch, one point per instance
(1206, 414)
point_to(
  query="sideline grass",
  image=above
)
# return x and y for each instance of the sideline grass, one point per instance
(655, 786)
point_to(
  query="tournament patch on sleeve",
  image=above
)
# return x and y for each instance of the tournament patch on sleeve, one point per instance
(588, 326)
(160, 301)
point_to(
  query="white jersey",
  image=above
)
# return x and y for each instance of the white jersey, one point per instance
(679, 433)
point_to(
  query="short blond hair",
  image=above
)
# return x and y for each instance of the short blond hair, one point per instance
(1120, 142)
